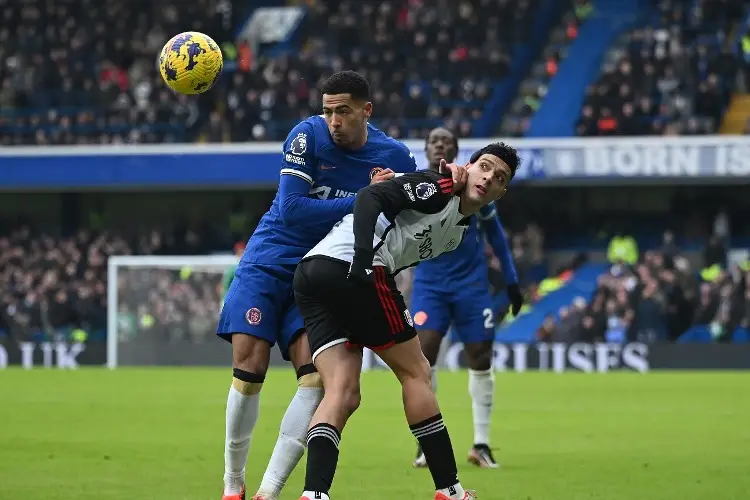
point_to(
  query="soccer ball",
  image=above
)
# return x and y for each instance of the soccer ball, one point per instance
(191, 63)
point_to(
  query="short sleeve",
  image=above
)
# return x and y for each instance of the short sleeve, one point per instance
(299, 152)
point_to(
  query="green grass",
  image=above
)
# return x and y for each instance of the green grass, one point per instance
(143, 434)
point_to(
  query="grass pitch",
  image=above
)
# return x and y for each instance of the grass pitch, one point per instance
(158, 434)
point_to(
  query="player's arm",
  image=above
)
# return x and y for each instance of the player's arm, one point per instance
(390, 198)
(296, 207)
(493, 230)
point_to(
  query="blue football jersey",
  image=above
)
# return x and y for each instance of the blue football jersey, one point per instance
(332, 172)
(464, 266)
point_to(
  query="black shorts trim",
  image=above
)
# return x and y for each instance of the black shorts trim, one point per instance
(337, 310)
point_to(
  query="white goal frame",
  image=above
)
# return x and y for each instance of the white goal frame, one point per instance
(157, 261)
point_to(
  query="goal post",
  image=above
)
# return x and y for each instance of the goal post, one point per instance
(162, 310)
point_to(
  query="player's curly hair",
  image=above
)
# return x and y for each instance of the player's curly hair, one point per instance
(505, 152)
(347, 82)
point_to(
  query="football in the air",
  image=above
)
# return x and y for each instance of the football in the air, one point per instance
(191, 63)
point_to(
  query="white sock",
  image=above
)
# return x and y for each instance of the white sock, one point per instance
(482, 391)
(433, 378)
(455, 492)
(242, 414)
(292, 440)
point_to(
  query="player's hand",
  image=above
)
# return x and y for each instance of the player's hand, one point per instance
(383, 175)
(359, 273)
(459, 173)
(361, 269)
(516, 298)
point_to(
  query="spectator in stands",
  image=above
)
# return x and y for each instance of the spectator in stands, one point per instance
(430, 63)
(682, 63)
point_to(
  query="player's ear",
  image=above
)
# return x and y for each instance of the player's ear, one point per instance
(368, 109)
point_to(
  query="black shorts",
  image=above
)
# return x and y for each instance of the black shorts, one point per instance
(337, 310)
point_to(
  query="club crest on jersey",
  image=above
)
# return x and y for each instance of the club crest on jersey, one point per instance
(299, 145)
(375, 171)
(424, 190)
(253, 316)
(420, 318)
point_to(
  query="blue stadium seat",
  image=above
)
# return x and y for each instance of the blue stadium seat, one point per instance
(696, 334)
(741, 336)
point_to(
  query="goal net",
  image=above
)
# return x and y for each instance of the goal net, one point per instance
(162, 310)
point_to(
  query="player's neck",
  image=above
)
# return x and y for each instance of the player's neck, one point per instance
(361, 142)
(467, 207)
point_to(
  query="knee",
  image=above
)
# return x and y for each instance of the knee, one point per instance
(247, 383)
(346, 395)
(308, 377)
(479, 356)
(420, 372)
(250, 359)
(250, 354)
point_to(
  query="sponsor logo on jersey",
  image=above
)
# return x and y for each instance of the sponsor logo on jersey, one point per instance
(253, 316)
(325, 192)
(450, 244)
(409, 193)
(425, 190)
(420, 318)
(297, 160)
(375, 171)
(425, 245)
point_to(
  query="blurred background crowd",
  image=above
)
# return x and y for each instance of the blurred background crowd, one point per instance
(83, 72)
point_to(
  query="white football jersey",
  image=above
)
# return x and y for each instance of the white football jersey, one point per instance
(406, 220)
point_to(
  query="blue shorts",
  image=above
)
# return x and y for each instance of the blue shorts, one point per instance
(260, 302)
(469, 309)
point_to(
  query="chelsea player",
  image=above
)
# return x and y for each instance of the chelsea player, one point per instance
(327, 159)
(454, 289)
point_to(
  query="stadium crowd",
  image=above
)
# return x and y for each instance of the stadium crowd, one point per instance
(658, 297)
(430, 63)
(673, 77)
(56, 287)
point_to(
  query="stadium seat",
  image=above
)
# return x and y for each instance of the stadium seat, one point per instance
(697, 334)
(741, 336)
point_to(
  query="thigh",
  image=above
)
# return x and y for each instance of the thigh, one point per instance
(430, 308)
(473, 316)
(339, 367)
(254, 304)
(321, 325)
(375, 315)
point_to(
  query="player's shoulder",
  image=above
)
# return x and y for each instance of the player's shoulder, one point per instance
(312, 130)
(391, 150)
(384, 141)
(423, 176)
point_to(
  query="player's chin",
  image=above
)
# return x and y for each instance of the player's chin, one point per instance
(340, 140)
(479, 196)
